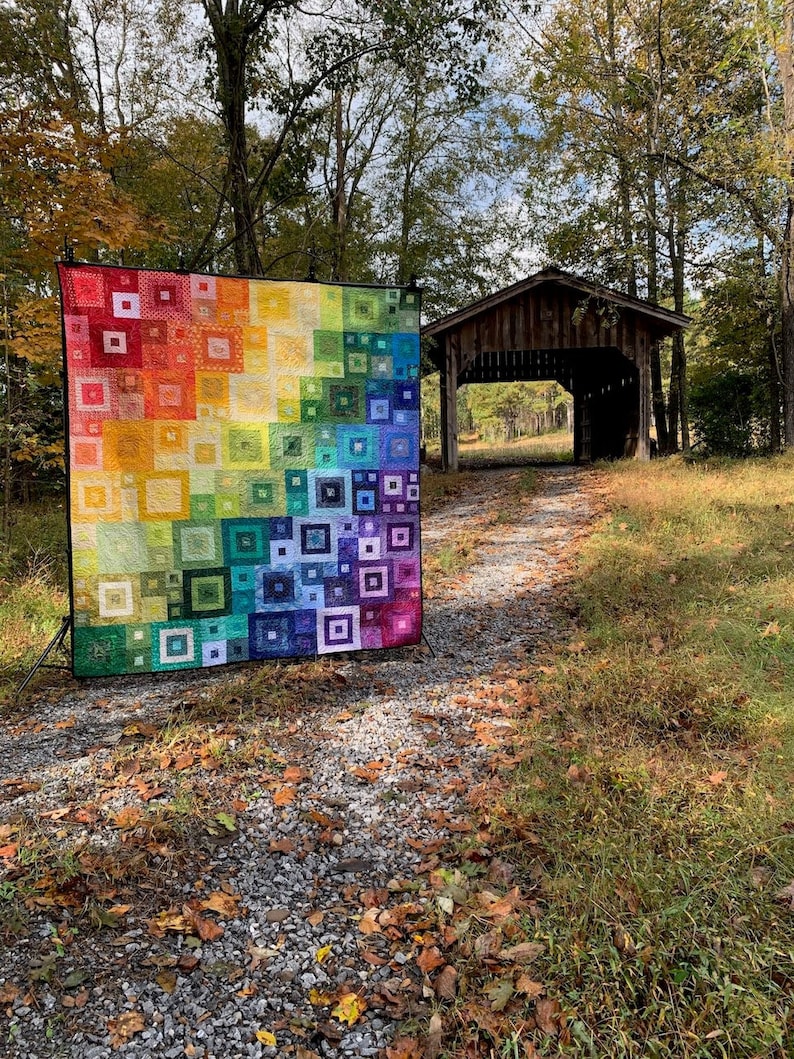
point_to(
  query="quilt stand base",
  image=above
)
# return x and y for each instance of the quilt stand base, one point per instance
(54, 644)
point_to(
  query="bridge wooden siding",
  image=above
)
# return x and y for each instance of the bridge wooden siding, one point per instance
(595, 342)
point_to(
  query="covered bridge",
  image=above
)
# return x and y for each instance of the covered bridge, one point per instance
(593, 341)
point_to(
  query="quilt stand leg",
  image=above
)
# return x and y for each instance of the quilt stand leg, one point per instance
(429, 645)
(55, 642)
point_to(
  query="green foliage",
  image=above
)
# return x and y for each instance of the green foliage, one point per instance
(729, 413)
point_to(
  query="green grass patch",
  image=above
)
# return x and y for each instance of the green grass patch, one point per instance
(659, 790)
(33, 590)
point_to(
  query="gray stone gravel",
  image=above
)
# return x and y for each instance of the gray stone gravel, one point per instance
(258, 974)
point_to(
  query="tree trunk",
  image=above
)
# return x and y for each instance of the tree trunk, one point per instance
(657, 388)
(786, 60)
(787, 323)
(232, 37)
(339, 206)
(677, 406)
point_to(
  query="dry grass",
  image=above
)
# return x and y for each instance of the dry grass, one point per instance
(659, 788)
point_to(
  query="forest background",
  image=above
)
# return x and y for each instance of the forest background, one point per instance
(645, 144)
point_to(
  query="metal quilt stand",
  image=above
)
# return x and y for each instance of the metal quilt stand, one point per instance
(55, 643)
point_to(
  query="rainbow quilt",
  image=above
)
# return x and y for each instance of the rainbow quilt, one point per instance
(243, 461)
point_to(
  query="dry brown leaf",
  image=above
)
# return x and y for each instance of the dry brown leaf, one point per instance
(405, 1048)
(429, 959)
(8, 993)
(124, 1028)
(184, 761)
(446, 984)
(285, 796)
(167, 981)
(295, 774)
(207, 929)
(547, 1015)
(526, 986)
(787, 894)
(488, 945)
(316, 918)
(223, 904)
(70, 722)
(129, 816)
(368, 924)
(282, 845)
(435, 1035)
(523, 953)
(716, 778)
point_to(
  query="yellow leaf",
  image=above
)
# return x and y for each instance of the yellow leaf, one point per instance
(266, 1037)
(349, 1008)
(318, 999)
(323, 953)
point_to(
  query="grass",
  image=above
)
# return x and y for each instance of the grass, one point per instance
(33, 594)
(474, 454)
(658, 793)
(556, 447)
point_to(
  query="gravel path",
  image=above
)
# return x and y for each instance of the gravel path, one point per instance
(375, 786)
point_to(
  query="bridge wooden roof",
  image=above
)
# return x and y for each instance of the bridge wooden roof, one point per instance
(657, 320)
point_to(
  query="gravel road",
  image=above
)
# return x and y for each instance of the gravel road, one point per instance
(294, 873)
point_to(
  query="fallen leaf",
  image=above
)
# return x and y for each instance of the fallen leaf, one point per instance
(368, 924)
(499, 993)
(184, 761)
(128, 817)
(285, 796)
(8, 993)
(435, 1034)
(227, 821)
(266, 1037)
(124, 1028)
(523, 953)
(446, 984)
(282, 845)
(70, 722)
(295, 774)
(315, 918)
(167, 981)
(223, 904)
(323, 953)
(349, 1008)
(787, 894)
(429, 959)
(207, 929)
(528, 988)
(318, 999)
(405, 1048)
(716, 778)
(547, 1013)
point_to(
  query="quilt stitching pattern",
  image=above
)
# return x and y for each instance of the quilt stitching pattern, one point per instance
(244, 468)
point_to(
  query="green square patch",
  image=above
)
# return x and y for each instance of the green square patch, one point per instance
(245, 446)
